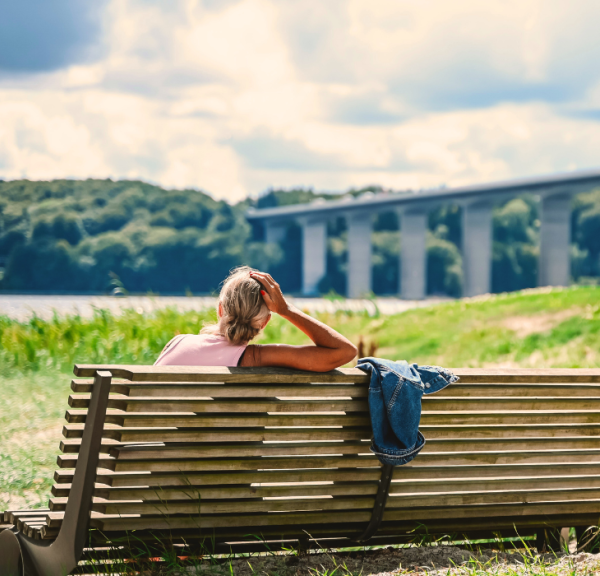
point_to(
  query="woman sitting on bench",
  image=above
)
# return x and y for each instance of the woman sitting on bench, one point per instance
(246, 301)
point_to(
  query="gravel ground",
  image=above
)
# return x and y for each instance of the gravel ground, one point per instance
(432, 561)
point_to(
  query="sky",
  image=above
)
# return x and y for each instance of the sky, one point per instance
(237, 96)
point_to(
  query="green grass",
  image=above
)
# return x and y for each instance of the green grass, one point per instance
(557, 328)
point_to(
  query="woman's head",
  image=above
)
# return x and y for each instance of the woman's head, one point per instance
(242, 311)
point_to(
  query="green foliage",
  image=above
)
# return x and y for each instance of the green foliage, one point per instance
(273, 198)
(445, 223)
(76, 235)
(130, 338)
(461, 333)
(287, 267)
(444, 267)
(386, 261)
(515, 250)
(73, 236)
(586, 233)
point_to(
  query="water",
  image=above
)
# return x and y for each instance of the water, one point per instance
(21, 307)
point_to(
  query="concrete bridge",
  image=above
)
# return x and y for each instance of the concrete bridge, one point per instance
(555, 195)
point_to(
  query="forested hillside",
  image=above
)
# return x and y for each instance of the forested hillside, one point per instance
(90, 235)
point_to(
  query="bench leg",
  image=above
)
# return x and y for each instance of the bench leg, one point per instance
(549, 540)
(11, 563)
(58, 558)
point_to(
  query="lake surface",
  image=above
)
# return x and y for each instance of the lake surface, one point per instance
(22, 307)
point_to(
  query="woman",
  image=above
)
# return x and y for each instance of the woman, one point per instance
(246, 301)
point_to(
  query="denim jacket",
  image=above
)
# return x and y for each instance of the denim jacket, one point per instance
(395, 393)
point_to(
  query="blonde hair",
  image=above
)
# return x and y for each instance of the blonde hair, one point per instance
(244, 310)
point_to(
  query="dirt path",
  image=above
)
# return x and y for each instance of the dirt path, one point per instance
(430, 560)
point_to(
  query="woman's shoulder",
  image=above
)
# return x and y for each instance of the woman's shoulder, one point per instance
(200, 350)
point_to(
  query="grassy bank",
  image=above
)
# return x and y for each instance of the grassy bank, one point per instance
(559, 328)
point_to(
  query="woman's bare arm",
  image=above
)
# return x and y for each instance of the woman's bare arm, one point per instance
(331, 349)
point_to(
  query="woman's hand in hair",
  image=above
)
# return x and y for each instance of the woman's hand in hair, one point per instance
(329, 350)
(272, 295)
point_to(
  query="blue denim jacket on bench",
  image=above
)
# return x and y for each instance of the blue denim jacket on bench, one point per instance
(395, 393)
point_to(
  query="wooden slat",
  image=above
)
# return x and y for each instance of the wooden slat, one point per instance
(430, 404)
(230, 450)
(161, 522)
(204, 505)
(117, 386)
(543, 390)
(431, 432)
(398, 487)
(70, 461)
(507, 457)
(489, 511)
(138, 373)
(187, 450)
(12, 516)
(484, 484)
(158, 405)
(528, 375)
(230, 477)
(534, 417)
(472, 404)
(265, 390)
(119, 434)
(220, 492)
(424, 460)
(63, 490)
(191, 420)
(32, 529)
(510, 444)
(72, 446)
(551, 430)
(229, 390)
(266, 463)
(408, 472)
(219, 449)
(37, 520)
(523, 497)
(205, 520)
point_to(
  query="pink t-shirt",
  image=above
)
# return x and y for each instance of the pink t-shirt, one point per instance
(200, 350)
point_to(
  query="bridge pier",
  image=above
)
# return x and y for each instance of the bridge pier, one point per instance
(314, 254)
(477, 248)
(274, 234)
(359, 255)
(413, 254)
(554, 268)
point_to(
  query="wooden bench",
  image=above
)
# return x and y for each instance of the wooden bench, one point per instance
(238, 456)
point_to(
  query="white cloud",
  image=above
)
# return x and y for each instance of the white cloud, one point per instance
(236, 96)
